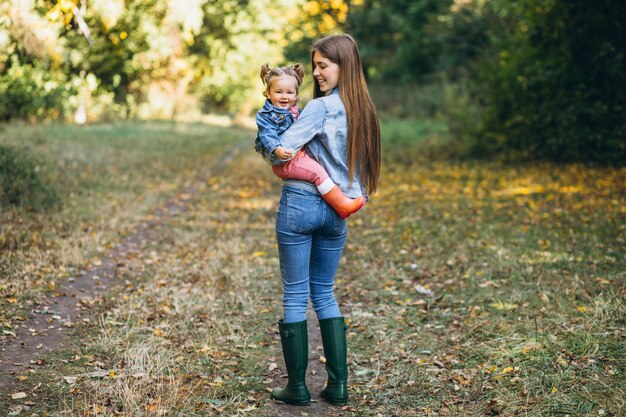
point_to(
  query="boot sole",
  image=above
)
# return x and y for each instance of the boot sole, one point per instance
(277, 401)
(335, 402)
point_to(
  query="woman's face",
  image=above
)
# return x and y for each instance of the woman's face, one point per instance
(325, 72)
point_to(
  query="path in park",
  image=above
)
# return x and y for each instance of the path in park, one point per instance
(51, 317)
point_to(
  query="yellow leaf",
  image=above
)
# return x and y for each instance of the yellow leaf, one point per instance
(506, 370)
(112, 373)
(553, 390)
(158, 332)
(258, 254)
(12, 300)
(582, 309)
(503, 306)
(491, 369)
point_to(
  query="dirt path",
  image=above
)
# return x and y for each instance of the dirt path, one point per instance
(45, 330)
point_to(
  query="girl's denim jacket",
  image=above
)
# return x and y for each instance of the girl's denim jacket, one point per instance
(271, 121)
(322, 127)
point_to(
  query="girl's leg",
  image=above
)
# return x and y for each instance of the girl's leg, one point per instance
(303, 167)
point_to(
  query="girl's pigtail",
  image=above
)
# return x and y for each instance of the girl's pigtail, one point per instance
(299, 70)
(265, 69)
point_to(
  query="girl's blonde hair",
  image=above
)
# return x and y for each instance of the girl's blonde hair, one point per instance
(363, 143)
(267, 73)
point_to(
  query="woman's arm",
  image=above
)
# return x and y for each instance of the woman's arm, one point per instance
(310, 123)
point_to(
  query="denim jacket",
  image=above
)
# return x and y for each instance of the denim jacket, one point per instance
(322, 127)
(271, 121)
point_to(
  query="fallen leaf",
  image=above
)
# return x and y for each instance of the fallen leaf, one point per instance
(18, 395)
(70, 379)
(273, 366)
(503, 306)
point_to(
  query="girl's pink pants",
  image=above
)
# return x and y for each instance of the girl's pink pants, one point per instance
(301, 167)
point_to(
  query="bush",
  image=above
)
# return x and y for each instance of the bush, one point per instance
(30, 92)
(557, 88)
(20, 182)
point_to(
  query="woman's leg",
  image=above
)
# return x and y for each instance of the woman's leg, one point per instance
(296, 218)
(326, 250)
(326, 253)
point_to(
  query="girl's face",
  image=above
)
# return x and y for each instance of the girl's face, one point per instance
(325, 72)
(283, 91)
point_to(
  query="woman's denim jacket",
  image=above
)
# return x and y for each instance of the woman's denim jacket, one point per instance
(271, 121)
(322, 127)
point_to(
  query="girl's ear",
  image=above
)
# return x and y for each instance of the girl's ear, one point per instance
(299, 70)
(264, 70)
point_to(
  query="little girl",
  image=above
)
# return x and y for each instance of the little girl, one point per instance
(278, 113)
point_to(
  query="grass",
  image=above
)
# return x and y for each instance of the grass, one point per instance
(107, 177)
(525, 264)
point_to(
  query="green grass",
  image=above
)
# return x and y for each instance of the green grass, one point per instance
(526, 265)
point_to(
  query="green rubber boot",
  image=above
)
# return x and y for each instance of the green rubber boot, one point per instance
(334, 341)
(294, 339)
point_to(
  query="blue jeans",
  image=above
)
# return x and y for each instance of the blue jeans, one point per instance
(311, 237)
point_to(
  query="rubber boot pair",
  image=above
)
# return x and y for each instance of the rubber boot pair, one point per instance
(294, 340)
(343, 205)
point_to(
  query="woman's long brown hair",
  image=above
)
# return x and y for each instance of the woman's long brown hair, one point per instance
(363, 146)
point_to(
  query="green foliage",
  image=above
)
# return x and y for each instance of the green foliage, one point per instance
(557, 89)
(21, 183)
(30, 91)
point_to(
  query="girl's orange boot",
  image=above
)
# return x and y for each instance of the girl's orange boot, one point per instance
(343, 205)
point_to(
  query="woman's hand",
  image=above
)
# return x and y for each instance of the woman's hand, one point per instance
(283, 153)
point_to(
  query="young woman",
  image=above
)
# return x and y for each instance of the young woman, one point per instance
(280, 110)
(340, 130)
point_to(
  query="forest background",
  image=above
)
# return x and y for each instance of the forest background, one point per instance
(530, 79)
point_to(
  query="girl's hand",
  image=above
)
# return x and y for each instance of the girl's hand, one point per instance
(283, 153)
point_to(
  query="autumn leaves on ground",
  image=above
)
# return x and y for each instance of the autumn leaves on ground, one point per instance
(470, 288)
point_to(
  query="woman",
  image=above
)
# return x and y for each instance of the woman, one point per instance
(340, 130)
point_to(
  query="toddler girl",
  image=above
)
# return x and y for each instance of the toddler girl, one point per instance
(278, 113)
